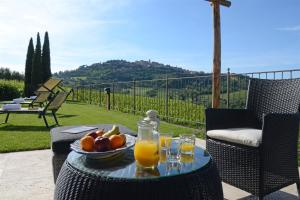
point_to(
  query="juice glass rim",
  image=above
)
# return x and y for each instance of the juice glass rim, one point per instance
(166, 134)
(187, 135)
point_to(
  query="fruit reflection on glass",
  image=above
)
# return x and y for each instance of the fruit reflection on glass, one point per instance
(146, 153)
(146, 172)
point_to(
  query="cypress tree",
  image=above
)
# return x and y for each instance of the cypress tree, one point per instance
(46, 66)
(36, 73)
(28, 69)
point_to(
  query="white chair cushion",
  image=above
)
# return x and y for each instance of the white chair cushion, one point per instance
(11, 107)
(246, 136)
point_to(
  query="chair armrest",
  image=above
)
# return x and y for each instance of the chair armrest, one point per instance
(229, 118)
(279, 142)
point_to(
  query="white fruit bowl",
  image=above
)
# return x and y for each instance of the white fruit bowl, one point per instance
(130, 141)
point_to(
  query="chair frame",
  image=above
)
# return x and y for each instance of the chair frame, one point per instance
(41, 111)
(45, 87)
(274, 164)
(40, 99)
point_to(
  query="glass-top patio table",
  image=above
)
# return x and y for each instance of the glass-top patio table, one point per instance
(121, 178)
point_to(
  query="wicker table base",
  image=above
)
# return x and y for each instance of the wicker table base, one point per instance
(204, 183)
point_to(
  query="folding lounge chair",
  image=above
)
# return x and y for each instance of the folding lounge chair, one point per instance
(52, 106)
(50, 85)
(41, 99)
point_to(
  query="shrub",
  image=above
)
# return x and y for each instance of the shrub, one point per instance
(8, 91)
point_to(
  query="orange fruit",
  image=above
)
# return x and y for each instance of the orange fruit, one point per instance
(87, 143)
(116, 141)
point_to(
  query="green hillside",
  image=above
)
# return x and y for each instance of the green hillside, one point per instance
(120, 70)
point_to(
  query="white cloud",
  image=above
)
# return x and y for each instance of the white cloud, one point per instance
(68, 22)
(290, 28)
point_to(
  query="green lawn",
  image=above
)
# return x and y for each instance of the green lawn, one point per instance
(28, 132)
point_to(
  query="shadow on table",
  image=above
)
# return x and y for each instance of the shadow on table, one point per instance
(112, 164)
(273, 196)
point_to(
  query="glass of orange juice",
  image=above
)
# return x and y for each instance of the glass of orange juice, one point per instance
(164, 138)
(187, 144)
(146, 149)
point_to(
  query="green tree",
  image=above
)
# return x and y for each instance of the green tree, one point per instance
(46, 66)
(28, 69)
(36, 73)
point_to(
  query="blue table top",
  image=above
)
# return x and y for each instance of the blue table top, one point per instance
(125, 167)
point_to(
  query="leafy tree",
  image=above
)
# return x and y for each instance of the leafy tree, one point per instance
(28, 69)
(6, 74)
(46, 66)
(36, 73)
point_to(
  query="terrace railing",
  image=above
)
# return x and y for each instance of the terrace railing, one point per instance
(178, 100)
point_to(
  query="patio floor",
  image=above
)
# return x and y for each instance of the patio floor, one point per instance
(28, 175)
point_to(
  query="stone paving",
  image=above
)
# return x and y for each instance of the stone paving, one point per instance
(28, 176)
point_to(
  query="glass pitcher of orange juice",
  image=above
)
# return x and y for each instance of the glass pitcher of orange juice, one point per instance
(146, 149)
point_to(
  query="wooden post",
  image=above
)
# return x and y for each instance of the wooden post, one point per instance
(167, 99)
(100, 103)
(217, 51)
(77, 88)
(90, 96)
(107, 91)
(113, 95)
(134, 97)
(228, 87)
(108, 101)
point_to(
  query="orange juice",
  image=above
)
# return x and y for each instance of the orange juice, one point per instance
(163, 139)
(187, 148)
(146, 153)
(187, 158)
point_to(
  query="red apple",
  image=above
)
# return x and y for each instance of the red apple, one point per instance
(92, 134)
(102, 144)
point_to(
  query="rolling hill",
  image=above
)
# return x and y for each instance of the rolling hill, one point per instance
(121, 70)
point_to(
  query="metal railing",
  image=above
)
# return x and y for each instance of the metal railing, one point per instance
(178, 100)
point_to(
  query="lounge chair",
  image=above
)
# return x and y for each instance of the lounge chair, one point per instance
(50, 85)
(41, 98)
(52, 106)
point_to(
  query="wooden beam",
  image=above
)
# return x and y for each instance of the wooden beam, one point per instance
(222, 2)
(217, 56)
(216, 82)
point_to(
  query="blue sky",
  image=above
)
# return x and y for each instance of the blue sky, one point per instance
(257, 35)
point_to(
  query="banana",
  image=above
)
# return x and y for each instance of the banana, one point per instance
(114, 131)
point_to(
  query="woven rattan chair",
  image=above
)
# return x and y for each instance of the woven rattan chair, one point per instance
(272, 112)
(52, 106)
